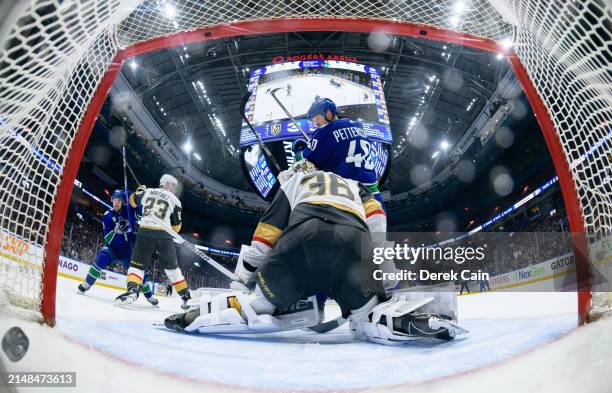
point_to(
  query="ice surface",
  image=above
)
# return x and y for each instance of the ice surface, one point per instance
(504, 327)
(304, 90)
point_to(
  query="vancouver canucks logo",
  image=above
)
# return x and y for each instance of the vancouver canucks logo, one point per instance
(122, 224)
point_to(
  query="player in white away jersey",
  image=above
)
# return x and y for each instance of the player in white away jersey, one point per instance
(161, 213)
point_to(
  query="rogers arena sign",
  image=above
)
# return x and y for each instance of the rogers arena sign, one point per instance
(281, 59)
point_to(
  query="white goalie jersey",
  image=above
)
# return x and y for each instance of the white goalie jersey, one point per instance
(325, 188)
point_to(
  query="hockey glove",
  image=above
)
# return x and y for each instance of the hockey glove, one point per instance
(298, 148)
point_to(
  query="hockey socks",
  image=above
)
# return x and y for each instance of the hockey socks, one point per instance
(93, 274)
(147, 290)
(176, 277)
(101, 262)
(135, 276)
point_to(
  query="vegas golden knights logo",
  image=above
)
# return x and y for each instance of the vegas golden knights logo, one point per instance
(276, 129)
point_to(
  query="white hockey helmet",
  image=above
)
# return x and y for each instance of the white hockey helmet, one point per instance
(168, 180)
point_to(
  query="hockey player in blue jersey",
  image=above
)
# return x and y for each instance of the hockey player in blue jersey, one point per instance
(339, 146)
(118, 243)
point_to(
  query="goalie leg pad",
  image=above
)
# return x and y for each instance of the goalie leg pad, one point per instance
(374, 321)
(414, 310)
(219, 314)
(240, 312)
(444, 299)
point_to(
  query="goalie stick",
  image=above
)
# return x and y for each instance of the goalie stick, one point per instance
(272, 92)
(182, 241)
(325, 327)
(263, 146)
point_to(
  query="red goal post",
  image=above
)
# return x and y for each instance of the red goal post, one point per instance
(51, 113)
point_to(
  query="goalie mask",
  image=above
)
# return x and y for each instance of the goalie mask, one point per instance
(303, 166)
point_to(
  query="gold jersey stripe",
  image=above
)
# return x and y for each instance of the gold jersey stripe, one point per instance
(267, 232)
(371, 205)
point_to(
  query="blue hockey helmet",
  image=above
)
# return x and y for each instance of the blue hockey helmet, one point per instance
(118, 194)
(321, 107)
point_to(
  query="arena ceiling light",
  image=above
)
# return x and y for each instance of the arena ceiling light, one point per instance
(133, 65)
(444, 145)
(507, 43)
(459, 7)
(187, 147)
(469, 107)
(167, 9)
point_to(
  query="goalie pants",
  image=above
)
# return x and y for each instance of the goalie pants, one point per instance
(317, 256)
(147, 242)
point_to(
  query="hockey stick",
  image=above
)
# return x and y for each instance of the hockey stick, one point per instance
(132, 172)
(325, 327)
(272, 92)
(127, 192)
(182, 241)
(245, 99)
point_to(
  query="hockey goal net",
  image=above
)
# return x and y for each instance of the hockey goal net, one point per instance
(59, 59)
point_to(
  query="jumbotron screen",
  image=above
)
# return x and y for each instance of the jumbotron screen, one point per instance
(259, 171)
(355, 88)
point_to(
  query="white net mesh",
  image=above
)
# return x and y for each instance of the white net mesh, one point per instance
(55, 55)
(566, 48)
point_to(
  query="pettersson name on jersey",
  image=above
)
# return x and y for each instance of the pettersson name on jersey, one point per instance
(342, 134)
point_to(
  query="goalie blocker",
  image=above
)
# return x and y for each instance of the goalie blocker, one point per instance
(309, 241)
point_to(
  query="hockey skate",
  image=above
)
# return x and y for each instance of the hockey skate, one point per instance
(430, 325)
(186, 297)
(128, 297)
(83, 287)
(180, 321)
(153, 301)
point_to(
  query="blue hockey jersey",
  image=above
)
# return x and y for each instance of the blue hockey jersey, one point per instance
(343, 148)
(116, 227)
